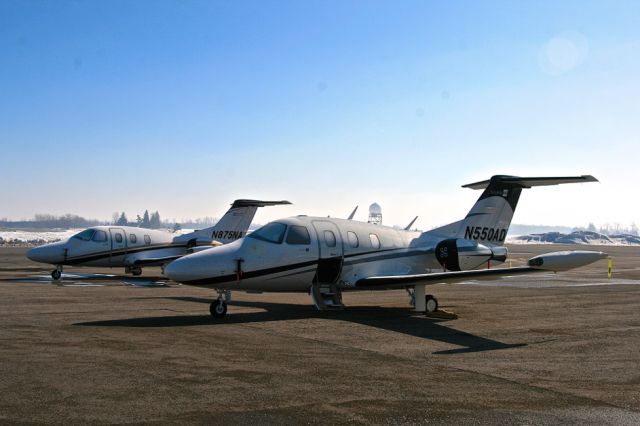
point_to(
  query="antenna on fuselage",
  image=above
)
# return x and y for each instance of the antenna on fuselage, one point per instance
(375, 214)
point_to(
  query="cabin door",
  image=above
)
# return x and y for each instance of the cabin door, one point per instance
(331, 252)
(118, 244)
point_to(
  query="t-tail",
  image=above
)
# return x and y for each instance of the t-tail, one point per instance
(235, 223)
(489, 219)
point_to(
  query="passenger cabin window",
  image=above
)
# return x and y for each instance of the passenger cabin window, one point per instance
(118, 238)
(375, 241)
(133, 238)
(147, 240)
(298, 235)
(272, 233)
(330, 238)
(99, 236)
(85, 235)
(353, 239)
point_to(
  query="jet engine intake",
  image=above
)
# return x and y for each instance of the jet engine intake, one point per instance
(457, 254)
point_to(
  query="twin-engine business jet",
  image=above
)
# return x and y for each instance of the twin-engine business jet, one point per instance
(133, 248)
(325, 256)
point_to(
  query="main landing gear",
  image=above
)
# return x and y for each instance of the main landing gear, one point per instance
(431, 303)
(421, 302)
(218, 308)
(56, 273)
(136, 271)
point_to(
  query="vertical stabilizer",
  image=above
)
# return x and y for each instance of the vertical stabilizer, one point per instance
(234, 224)
(489, 219)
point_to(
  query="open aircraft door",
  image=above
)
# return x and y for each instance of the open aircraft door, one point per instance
(331, 252)
(118, 244)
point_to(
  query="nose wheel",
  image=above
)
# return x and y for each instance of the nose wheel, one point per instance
(56, 273)
(218, 308)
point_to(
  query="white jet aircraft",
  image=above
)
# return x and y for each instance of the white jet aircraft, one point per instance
(132, 247)
(325, 256)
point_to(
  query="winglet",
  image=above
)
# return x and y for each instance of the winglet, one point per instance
(408, 227)
(353, 213)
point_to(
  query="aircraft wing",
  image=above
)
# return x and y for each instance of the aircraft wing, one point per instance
(401, 281)
(551, 262)
(155, 261)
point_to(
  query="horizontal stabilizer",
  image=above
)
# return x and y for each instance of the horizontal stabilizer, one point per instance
(256, 203)
(528, 182)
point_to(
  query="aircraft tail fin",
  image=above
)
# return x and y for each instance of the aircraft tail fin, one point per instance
(489, 219)
(236, 221)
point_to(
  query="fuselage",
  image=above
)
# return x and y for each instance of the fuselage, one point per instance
(291, 254)
(111, 246)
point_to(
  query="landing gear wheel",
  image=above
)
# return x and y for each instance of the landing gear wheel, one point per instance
(56, 274)
(136, 272)
(218, 308)
(431, 303)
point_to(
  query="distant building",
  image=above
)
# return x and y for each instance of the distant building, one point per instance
(375, 214)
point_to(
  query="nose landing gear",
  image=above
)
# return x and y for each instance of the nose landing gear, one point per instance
(56, 273)
(218, 308)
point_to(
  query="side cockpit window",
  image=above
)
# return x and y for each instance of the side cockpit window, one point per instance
(272, 233)
(85, 235)
(133, 238)
(298, 235)
(99, 236)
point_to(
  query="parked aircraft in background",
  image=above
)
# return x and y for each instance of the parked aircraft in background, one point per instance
(134, 248)
(326, 256)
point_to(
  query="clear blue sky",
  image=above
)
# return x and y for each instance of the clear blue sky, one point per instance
(183, 106)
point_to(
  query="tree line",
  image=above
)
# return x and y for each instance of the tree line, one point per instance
(150, 221)
(72, 221)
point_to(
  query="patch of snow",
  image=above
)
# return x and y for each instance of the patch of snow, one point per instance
(576, 237)
(21, 237)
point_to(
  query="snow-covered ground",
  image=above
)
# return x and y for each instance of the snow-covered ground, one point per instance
(20, 237)
(577, 237)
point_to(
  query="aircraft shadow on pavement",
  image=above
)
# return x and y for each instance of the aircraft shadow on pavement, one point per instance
(399, 320)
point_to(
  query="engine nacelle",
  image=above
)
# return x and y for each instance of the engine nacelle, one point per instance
(465, 255)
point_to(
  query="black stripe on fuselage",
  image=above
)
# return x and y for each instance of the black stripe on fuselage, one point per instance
(120, 252)
(251, 274)
(384, 256)
(267, 271)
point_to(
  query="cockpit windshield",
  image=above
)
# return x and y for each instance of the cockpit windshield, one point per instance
(272, 233)
(85, 235)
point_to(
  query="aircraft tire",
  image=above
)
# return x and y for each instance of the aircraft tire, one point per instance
(218, 308)
(56, 274)
(431, 303)
(136, 272)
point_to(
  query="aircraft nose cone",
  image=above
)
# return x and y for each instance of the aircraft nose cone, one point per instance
(38, 254)
(45, 254)
(176, 270)
(183, 270)
(204, 265)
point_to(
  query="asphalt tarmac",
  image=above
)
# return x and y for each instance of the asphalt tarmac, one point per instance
(102, 347)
